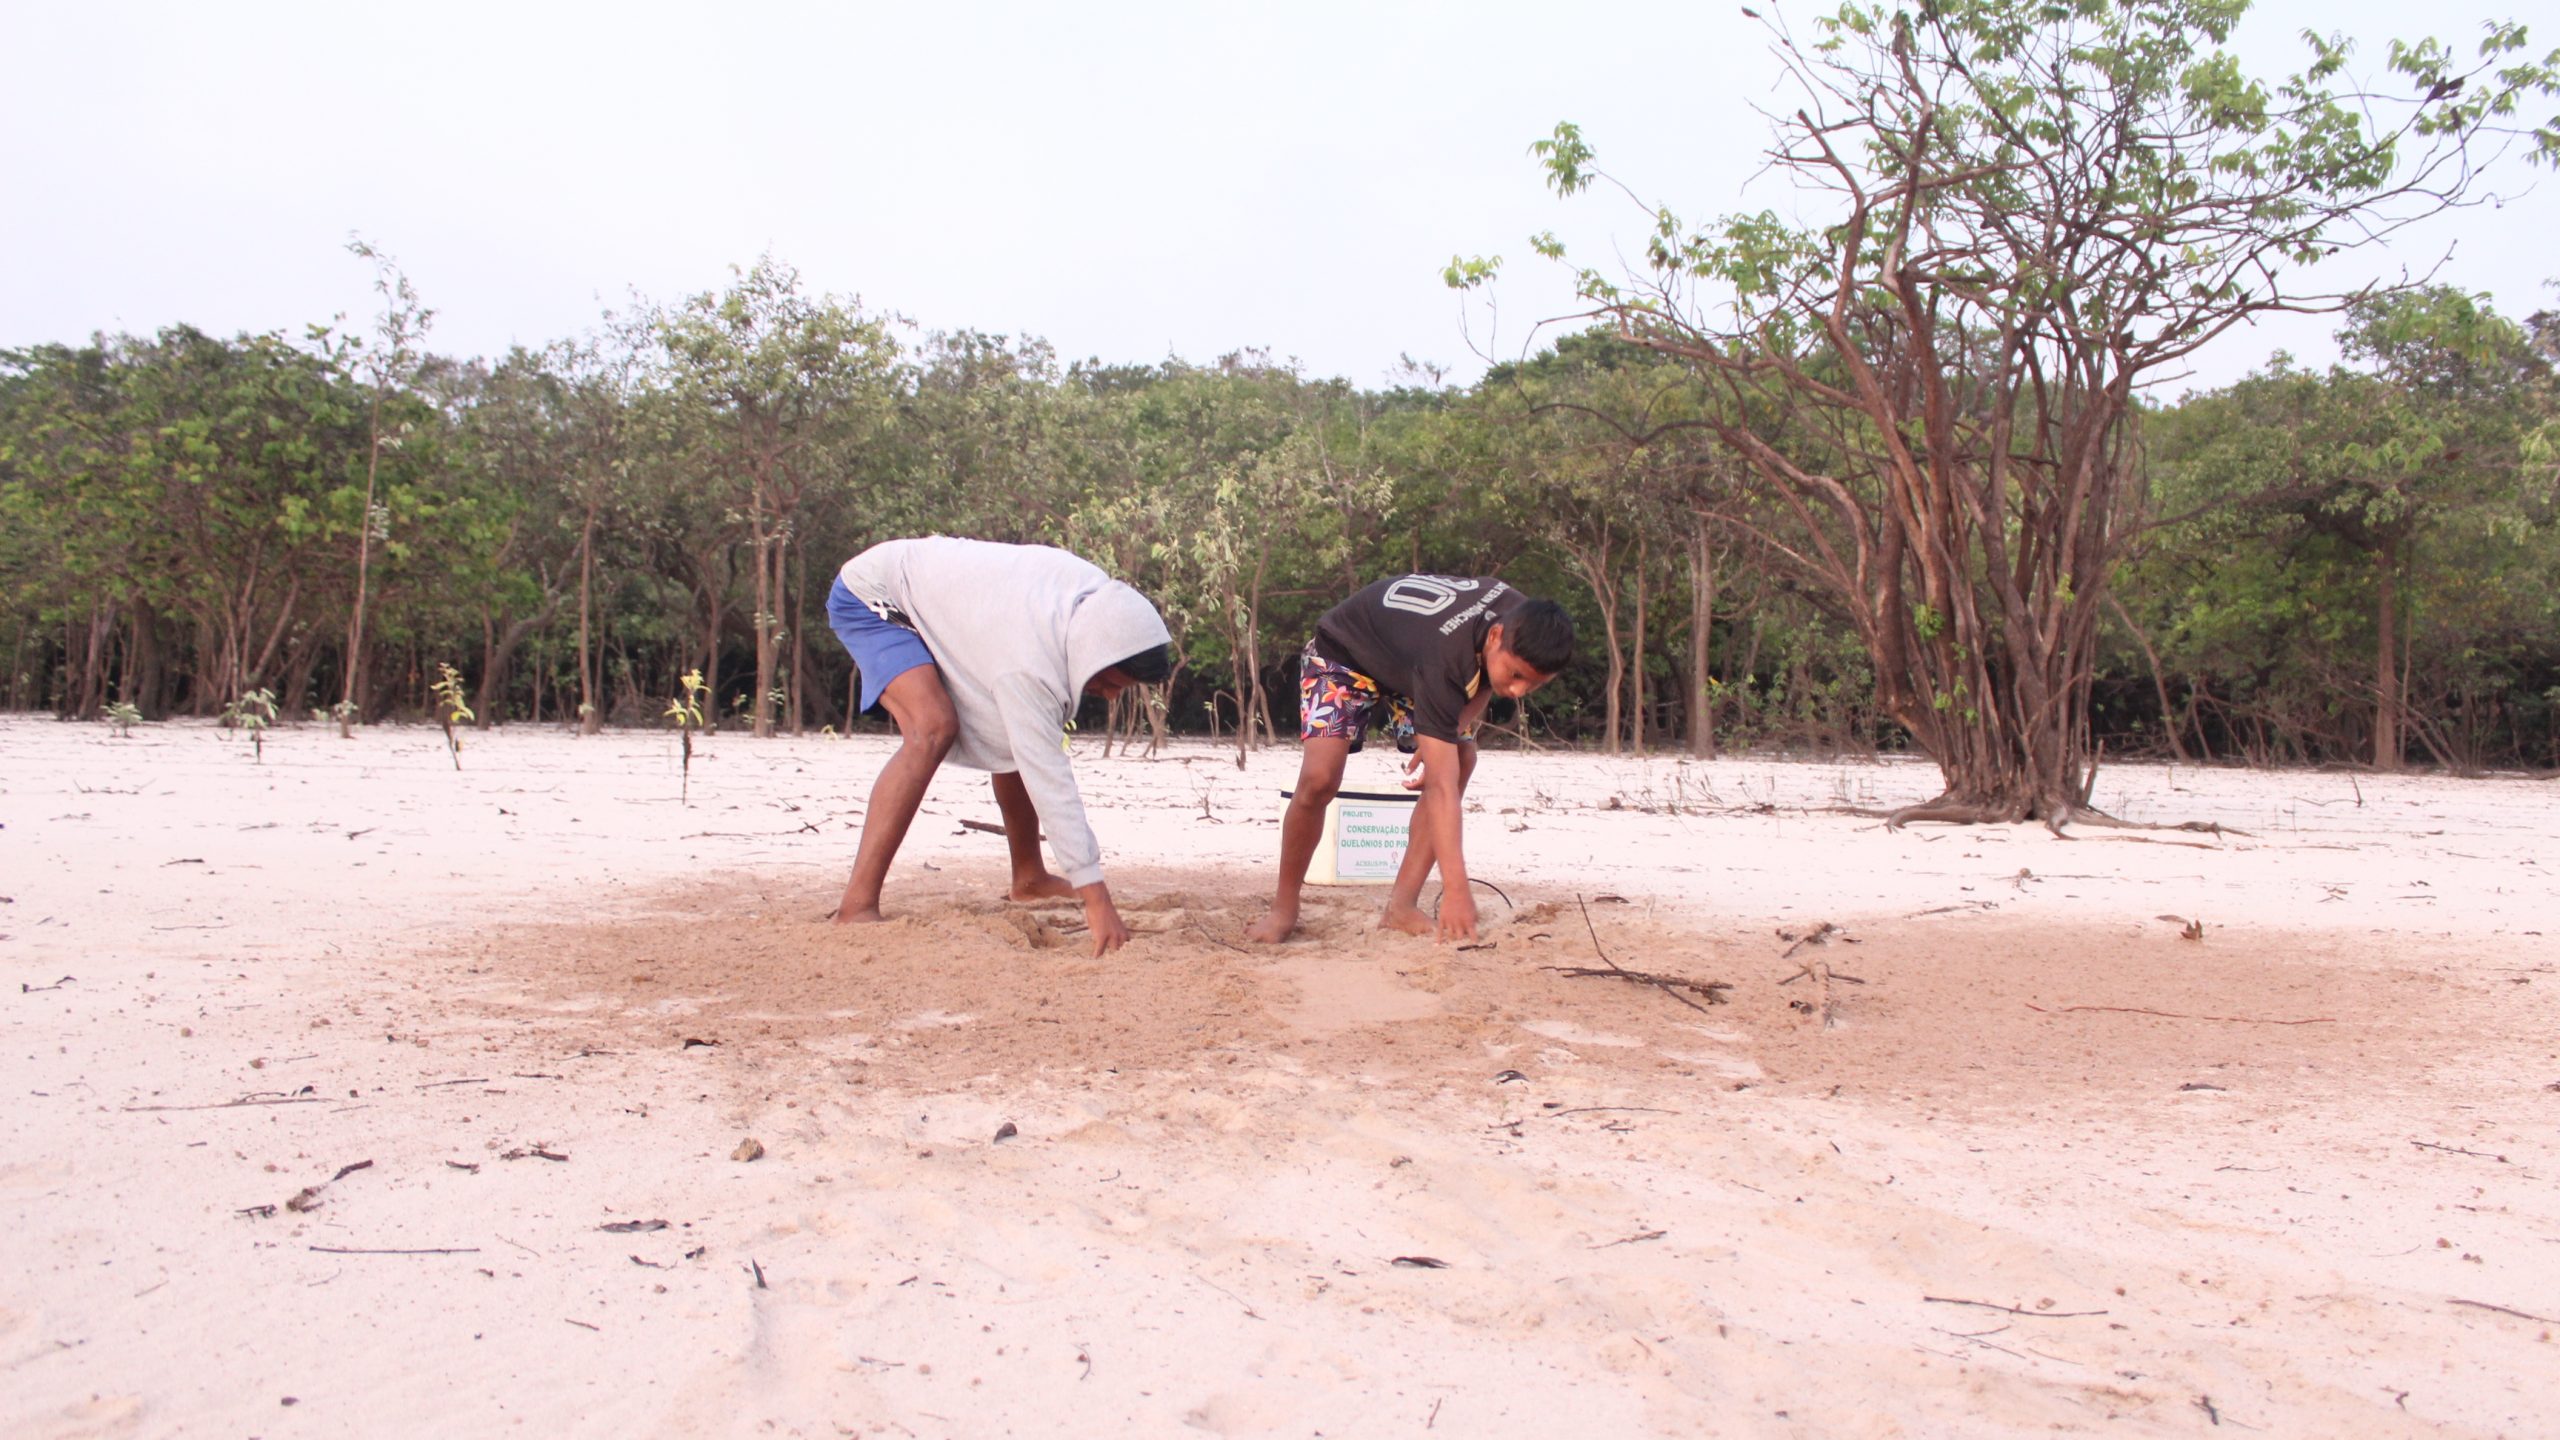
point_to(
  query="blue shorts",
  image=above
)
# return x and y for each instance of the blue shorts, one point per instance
(882, 649)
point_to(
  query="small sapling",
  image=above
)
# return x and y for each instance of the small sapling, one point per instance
(253, 712)
(121, 717)
(451, 710)
(686, 711)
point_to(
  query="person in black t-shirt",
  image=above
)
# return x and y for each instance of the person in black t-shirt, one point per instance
(1421, 655)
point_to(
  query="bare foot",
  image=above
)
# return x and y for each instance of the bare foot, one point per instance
(1408, 919)
(1274, 926)
(868, 915)
(1045, 887)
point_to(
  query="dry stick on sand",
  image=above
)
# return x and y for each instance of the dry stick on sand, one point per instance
(2458, 1150)
(227, 1104)
(2012, 1309)
(1670, 985)
(2501, 1309)
(2173, 1015)
(1214, 940)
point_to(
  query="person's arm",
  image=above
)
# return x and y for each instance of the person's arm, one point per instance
(1469, 717)
(1034, 730)
(1442, 820)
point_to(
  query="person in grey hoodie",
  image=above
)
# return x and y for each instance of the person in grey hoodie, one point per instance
(980, 652)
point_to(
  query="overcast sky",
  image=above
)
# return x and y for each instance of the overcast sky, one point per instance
(1128, 181)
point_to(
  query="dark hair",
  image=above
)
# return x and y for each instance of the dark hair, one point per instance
(1541, 634)
(1151, 666)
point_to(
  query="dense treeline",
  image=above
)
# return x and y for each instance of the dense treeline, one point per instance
(1899, 475)
(2337, 559)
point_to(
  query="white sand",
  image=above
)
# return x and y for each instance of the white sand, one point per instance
(1672, 1222)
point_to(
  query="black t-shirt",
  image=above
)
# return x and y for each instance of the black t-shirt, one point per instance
(1422, 637)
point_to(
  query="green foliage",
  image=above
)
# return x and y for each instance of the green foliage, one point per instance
(2335, 515)
(451, 707)
(686, 710)
(251, 712)
(2025, 211)
(122, 716)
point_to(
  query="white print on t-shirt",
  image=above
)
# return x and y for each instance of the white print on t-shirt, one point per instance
(1425, 594)
(1450, 625)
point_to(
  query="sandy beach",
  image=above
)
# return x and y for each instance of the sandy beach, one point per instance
(351, 1093)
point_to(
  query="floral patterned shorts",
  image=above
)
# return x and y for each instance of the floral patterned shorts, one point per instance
(1337, 702)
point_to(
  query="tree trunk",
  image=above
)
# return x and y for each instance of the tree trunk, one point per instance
(768, 555)
(590, 693)
(799, 630)
(349, 701)
(2169, 724)
(294, 695)
(18, 669)
(143, 666)
(1592, 563)
(1636, 729)
(1258, 697)
(2386, 668)
(499, 656)
(1702, 619)
(89, 697)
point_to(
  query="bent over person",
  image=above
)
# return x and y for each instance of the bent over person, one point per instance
(1421, 655)
(980, 653)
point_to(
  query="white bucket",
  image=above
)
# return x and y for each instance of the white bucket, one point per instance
(1364, 838)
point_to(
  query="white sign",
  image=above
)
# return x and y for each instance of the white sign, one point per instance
(1368, 840)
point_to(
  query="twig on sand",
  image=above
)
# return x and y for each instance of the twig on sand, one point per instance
(1670, 985)
(2173, 1015)
(1637, 1238)
(1496, 889)
(1249, 1312)
(336, 1250)
(1612, 1109)
(1214, 940)
(243, 1101)
(1977, 1340)
(1713, 990)
(2458, 1150)
(2012, 1309)
(2501, 1309)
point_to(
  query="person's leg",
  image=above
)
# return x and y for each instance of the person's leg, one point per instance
(1320, 769)
(1404, 899)
(1032, 879)
(927, 727)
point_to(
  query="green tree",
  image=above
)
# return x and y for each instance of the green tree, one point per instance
(2360, 507)
(778, 388)
(2036, 209)
(390, 360)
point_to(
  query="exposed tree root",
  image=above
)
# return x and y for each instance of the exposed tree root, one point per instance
(2099, 819)
(1948, 810)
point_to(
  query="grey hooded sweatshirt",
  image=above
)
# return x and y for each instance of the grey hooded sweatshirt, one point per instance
(1016, 631)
